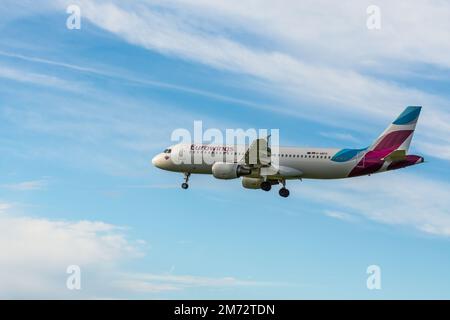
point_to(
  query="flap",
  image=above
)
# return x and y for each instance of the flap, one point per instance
(258, 154)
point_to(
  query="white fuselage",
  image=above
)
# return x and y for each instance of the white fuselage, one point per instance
(311, 163)
(260, 166)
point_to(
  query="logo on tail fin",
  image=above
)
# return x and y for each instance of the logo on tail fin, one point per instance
(399, 134)
(408, 116)
(391, 146)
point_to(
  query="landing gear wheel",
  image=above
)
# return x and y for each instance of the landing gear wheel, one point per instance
(185, 185)
(266, 186)
(284, 192)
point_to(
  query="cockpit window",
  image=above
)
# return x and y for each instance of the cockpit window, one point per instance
(168, 151)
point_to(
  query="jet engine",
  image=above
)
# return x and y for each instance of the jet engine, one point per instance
(222, 170)
(251, 183)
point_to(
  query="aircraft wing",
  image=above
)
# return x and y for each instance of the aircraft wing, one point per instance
(258, 154)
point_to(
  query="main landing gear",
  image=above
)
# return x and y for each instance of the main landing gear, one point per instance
(267, 186)
(185, 184)
(283, 191)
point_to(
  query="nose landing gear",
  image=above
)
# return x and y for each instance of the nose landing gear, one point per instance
(185, 184)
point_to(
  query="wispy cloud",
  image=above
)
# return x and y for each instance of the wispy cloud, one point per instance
(399, 199)
(402, 38)
(26, 185)
(146, 282)
(65, 65)
(325, 74)
(340, 136)
(437, 150)
(120, 75)
(310, 78)
(4, 206)
(339, 215)
(38, 79)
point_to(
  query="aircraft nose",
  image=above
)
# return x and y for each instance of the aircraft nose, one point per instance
(156, 161)
(161, 161)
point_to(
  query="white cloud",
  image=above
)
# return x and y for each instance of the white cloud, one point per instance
(28, 239)
(35, 253)
(395, 198)
(411, 30)
(309, 53)
(318, 53)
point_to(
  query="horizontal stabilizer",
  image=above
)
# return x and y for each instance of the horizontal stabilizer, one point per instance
(396, 155)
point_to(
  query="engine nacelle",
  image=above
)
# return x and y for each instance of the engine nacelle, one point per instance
(223, 170)
(251, 183)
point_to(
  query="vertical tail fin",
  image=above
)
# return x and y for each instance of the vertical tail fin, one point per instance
(399, 134)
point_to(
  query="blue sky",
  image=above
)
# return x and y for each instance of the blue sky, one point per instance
(84, 111)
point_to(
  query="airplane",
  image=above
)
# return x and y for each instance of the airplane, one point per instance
(388, 152)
